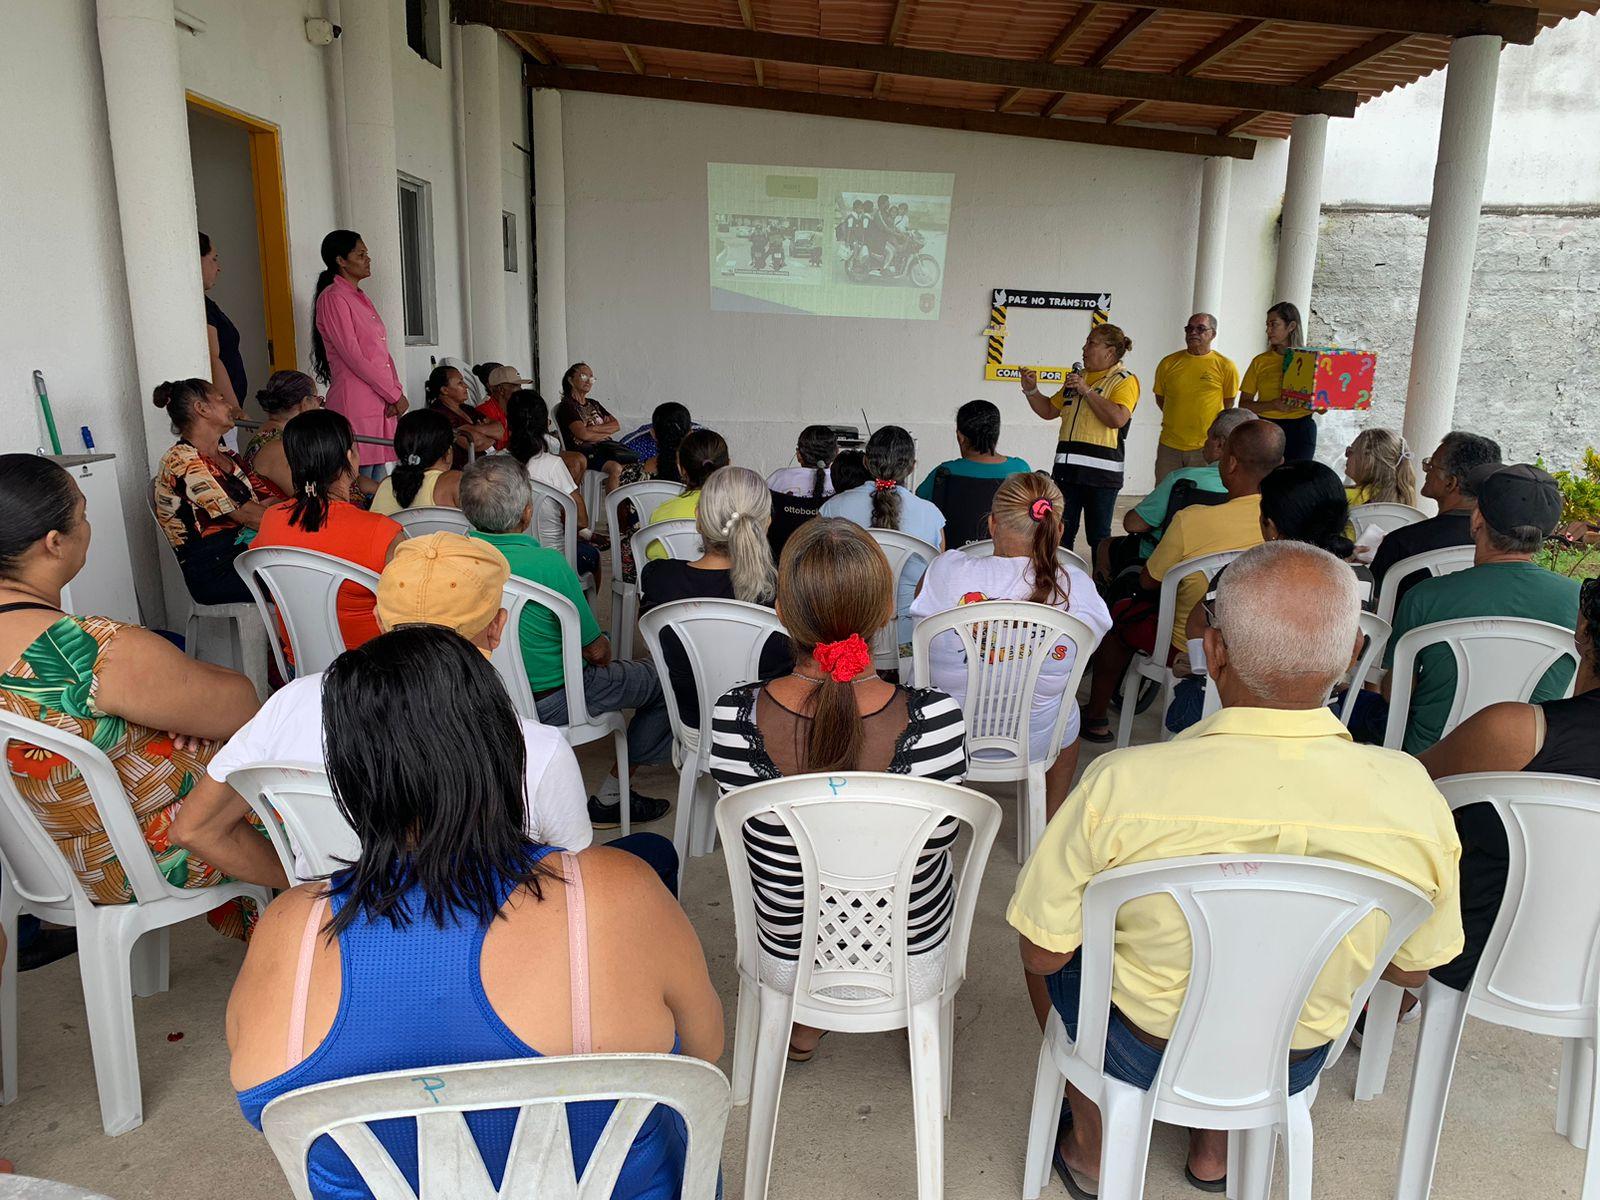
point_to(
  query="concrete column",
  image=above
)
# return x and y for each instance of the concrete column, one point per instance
(480, 65)
(155, 203)
(1302, 212)
(1458, 177)
(550, 239)
(370, 162)
(1211, 240)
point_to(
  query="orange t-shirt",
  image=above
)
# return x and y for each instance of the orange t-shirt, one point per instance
(350, 533)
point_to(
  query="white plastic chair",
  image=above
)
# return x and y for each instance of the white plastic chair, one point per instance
(296, 805)
(122, 948)
(679, 538)
(1262, 929)
(858, 835)
(1007, 644)
(582, 726)
(1376, 631)
(644, 497)
(1154, 666)
(723, 640)
(248, 639)
(544, 494)
(1386, 516)
(302, 587)
(1067, 558)
(900, 549)
(1497, 659)
(432, 518)
(540, 1163)
(1538, 972)
(1445, 561)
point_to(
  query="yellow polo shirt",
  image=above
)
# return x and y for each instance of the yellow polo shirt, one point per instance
(1244, 781)
(676, 508)
(1202, 529)
(1263, 379)
(1192, 388)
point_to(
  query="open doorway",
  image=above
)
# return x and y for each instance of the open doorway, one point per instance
(238, 192)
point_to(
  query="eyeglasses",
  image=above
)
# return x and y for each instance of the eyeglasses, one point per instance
(1197, 329)
(1208, 606)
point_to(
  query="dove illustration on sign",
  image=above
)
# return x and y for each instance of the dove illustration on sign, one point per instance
(1104, 302)
(999, 295)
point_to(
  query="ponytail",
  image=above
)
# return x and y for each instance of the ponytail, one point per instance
(338, 244)
(421, 438)
(891, 455)
(1029, 504)
(816, 448)
(735, 507)
(317, 445)
(671, 423)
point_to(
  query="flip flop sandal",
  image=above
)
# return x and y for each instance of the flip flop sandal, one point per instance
(1076, 1187)
(1205, 1185)
(804, 1056)
(1100, 737)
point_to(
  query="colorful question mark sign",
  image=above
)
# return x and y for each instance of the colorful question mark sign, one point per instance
(1344, 382)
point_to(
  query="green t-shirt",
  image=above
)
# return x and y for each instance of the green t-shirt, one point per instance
(968, 469)
(539, 630)
(1510, 589)
(1152, 510)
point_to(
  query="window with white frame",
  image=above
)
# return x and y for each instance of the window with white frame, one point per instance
(508, 240)
(416, 260)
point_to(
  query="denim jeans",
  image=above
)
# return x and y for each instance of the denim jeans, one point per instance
(654, 849)
(1133, 1061)
(1094, 504)
(616, 687)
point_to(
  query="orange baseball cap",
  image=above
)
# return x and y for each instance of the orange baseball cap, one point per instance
(443, 579)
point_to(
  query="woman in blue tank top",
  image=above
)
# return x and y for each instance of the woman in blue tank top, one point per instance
(453, 938)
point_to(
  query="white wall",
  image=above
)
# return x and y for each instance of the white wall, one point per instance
(1025, 214)
(224, 199)
(1546, 144)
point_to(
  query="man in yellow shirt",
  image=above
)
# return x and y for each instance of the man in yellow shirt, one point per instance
(1274, 772)
(1191, 387)
(1252, 451)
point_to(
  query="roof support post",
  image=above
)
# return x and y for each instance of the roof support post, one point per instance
(1458, 178)
(1216, 177)
(1302, 211)
(550, 239)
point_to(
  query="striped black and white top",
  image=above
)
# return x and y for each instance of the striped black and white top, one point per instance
(931, 745)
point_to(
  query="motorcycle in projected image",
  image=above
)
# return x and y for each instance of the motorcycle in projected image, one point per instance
(922, 270)
(892, 240)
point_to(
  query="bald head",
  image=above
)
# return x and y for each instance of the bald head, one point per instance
(1272, 662)
(1252, 452)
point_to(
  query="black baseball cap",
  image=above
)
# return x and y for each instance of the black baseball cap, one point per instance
(1516, 496)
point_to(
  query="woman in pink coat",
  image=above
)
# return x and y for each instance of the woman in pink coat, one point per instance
(350, 350)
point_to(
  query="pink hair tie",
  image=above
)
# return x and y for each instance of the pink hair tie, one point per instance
(1040, 509)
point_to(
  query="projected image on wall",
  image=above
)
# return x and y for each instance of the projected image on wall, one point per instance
(828, 242)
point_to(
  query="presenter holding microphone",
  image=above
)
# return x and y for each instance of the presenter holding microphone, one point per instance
(1094, 406)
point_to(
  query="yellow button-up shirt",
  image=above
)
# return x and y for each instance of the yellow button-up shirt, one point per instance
(1244, 781)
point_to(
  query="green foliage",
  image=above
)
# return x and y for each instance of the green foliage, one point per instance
(1580, 504)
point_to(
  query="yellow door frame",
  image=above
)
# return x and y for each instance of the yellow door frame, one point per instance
(272, 227)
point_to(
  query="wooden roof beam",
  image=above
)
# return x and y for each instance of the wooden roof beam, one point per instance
(634, 60)
(936, 116)
(1209, 53)
(897, 22)
(900, 60)
(1365, 52)
(1445, 18)
(1075, 22)
(1137, 20)
(748, 16)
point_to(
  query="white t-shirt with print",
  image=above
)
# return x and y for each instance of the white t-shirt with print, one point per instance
(956, 578)
(799, 481)
(549, 470)
(288, 729)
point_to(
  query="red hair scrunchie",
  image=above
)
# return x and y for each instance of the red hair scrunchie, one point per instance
(1040, 509)
(884, 485)
(843, 660)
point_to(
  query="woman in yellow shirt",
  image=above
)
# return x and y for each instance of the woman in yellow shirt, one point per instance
(1261, 390)
(1094, 407)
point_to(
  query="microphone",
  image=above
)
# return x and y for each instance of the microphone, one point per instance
(1077, 368)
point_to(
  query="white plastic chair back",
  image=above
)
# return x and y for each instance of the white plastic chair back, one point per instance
(295, 803)
(1386, 516)
(544, 495)
(1446, 561)
(1376, 632)
(1497, 659)
(857, 835)
(432, 518)
(507, 656)
(679, 538)
(303, 586)
(1262, 929)
(723, 640)
(1541, 964)
(900, 549)
(540, 1163)
(1067, 558)
(644, 498)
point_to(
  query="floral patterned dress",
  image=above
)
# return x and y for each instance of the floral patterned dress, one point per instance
(54, 682)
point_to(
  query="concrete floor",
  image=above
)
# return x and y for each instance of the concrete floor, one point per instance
(845, 1119)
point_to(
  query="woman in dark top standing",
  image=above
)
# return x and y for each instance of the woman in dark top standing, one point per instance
(1558, 737)
(227, 366)
(735, 564)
